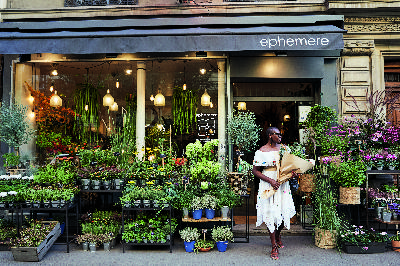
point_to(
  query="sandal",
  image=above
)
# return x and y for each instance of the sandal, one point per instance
(279, 242)
(275, 252)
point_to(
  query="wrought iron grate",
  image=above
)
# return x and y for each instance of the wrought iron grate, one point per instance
(73, 3)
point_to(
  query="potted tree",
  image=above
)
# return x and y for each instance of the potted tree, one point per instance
(189, 236)
(222, 235)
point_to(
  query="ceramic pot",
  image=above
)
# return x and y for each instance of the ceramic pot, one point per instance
(224, 212)
(222, 245)
(92, 247)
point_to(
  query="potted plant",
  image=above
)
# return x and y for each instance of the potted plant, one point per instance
(189, 236)
(391, 161)
(349, 175)
(243, 132)
(357, 240)
(396, 242)
(197, 207)
(203, 245)
(221, 235)
(227, 199)
(210, 204)
(326, 219)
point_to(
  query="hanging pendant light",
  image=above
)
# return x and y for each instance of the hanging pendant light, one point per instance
(159, 100)
(52, 87)
(114, 107)
(108, 100)
(205, 99)
(184, 87)
(211, 104)
(55, 100)
(242, 106)
(152, 98)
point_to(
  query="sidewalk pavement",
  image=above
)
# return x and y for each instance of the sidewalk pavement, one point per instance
(298, 250)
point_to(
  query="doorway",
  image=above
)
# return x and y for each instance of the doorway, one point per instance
(275, 104)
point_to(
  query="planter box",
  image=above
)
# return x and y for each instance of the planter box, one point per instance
(374, 247)
(37, 253)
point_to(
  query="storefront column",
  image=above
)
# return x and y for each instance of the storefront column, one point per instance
(221, 113)
(141, 104)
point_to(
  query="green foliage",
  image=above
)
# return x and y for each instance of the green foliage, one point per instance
(325, 201)
(204, 171)
(243, 130)
(222, 233)
(209, 201)
(62, 174)
(349, 173)
(11, 159)
(184, 108)
(227, 197)
(189, 234)
(203, 243)
(14, 128)
(47, 139)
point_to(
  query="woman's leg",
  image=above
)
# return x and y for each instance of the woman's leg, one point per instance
(275, 250)
(278, 239)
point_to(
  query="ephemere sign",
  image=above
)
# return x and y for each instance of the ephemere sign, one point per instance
(301, 42)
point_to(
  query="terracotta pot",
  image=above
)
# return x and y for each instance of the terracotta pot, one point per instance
(396, 245)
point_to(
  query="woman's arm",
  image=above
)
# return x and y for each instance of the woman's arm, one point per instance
(257, 173)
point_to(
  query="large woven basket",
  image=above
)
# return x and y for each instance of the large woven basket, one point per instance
(324, 238)
(307, 183)
(349, 195)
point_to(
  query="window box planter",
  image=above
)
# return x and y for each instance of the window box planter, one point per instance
(374, 247)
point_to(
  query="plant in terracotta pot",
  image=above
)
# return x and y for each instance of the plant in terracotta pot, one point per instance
(396, 241)
(203, 245)
(349, 175)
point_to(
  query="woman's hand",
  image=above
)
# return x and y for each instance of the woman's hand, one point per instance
(275, 184)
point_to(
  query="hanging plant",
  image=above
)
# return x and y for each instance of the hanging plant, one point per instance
(184, 108)
(87, 109)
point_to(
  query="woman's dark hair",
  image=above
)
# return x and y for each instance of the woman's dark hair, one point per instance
(271, 130)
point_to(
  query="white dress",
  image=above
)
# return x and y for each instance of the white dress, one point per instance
(279, 207)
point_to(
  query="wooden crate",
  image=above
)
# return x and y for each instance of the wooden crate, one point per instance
(37, 253)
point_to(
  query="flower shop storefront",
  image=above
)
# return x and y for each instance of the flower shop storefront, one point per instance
(135, 118)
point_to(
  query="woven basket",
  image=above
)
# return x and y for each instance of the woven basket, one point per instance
(324, 238)
(349, 195)
(306, 183)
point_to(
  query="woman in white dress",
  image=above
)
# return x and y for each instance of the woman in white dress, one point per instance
(276, 210)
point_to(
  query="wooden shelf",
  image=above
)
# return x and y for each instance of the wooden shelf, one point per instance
(205, 220)
(391, 221)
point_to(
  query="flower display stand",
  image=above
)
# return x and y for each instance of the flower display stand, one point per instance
(374, 247)
(37, 253)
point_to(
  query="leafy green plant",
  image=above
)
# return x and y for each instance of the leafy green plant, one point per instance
(325, 201)
(189, 234)
(14, 127)
(184, 108)
(205, 170)
(243, 130)
(11, 159)
(222, 233)
(197, 203)
(209, 201)
(357, 235)
(227, 197)
(349, 173)
(395, 237)
(203, 244)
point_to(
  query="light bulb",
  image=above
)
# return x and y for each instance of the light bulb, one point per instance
(54, 72)
(184, 87)
(152, 98)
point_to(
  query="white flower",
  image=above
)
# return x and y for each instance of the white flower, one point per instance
(3, 194)
(12, 193)
(383, 233)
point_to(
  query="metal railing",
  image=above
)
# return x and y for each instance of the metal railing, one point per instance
(73, 3)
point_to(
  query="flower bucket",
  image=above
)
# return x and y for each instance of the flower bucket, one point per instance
(107, 246)
(92, 247)
(85, 183)
(85, 246)
(96, 184)
(386, 216)
(146, 203)
(224, 212)
(118, 183)
(349, 195)
(197, 214)
(137, 203)
(222, 245)
(106, 184)
(189, 246)
(210, 213)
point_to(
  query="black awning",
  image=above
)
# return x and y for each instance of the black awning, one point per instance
(17, 38)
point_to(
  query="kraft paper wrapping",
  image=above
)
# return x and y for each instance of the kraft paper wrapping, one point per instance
(290, 163)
